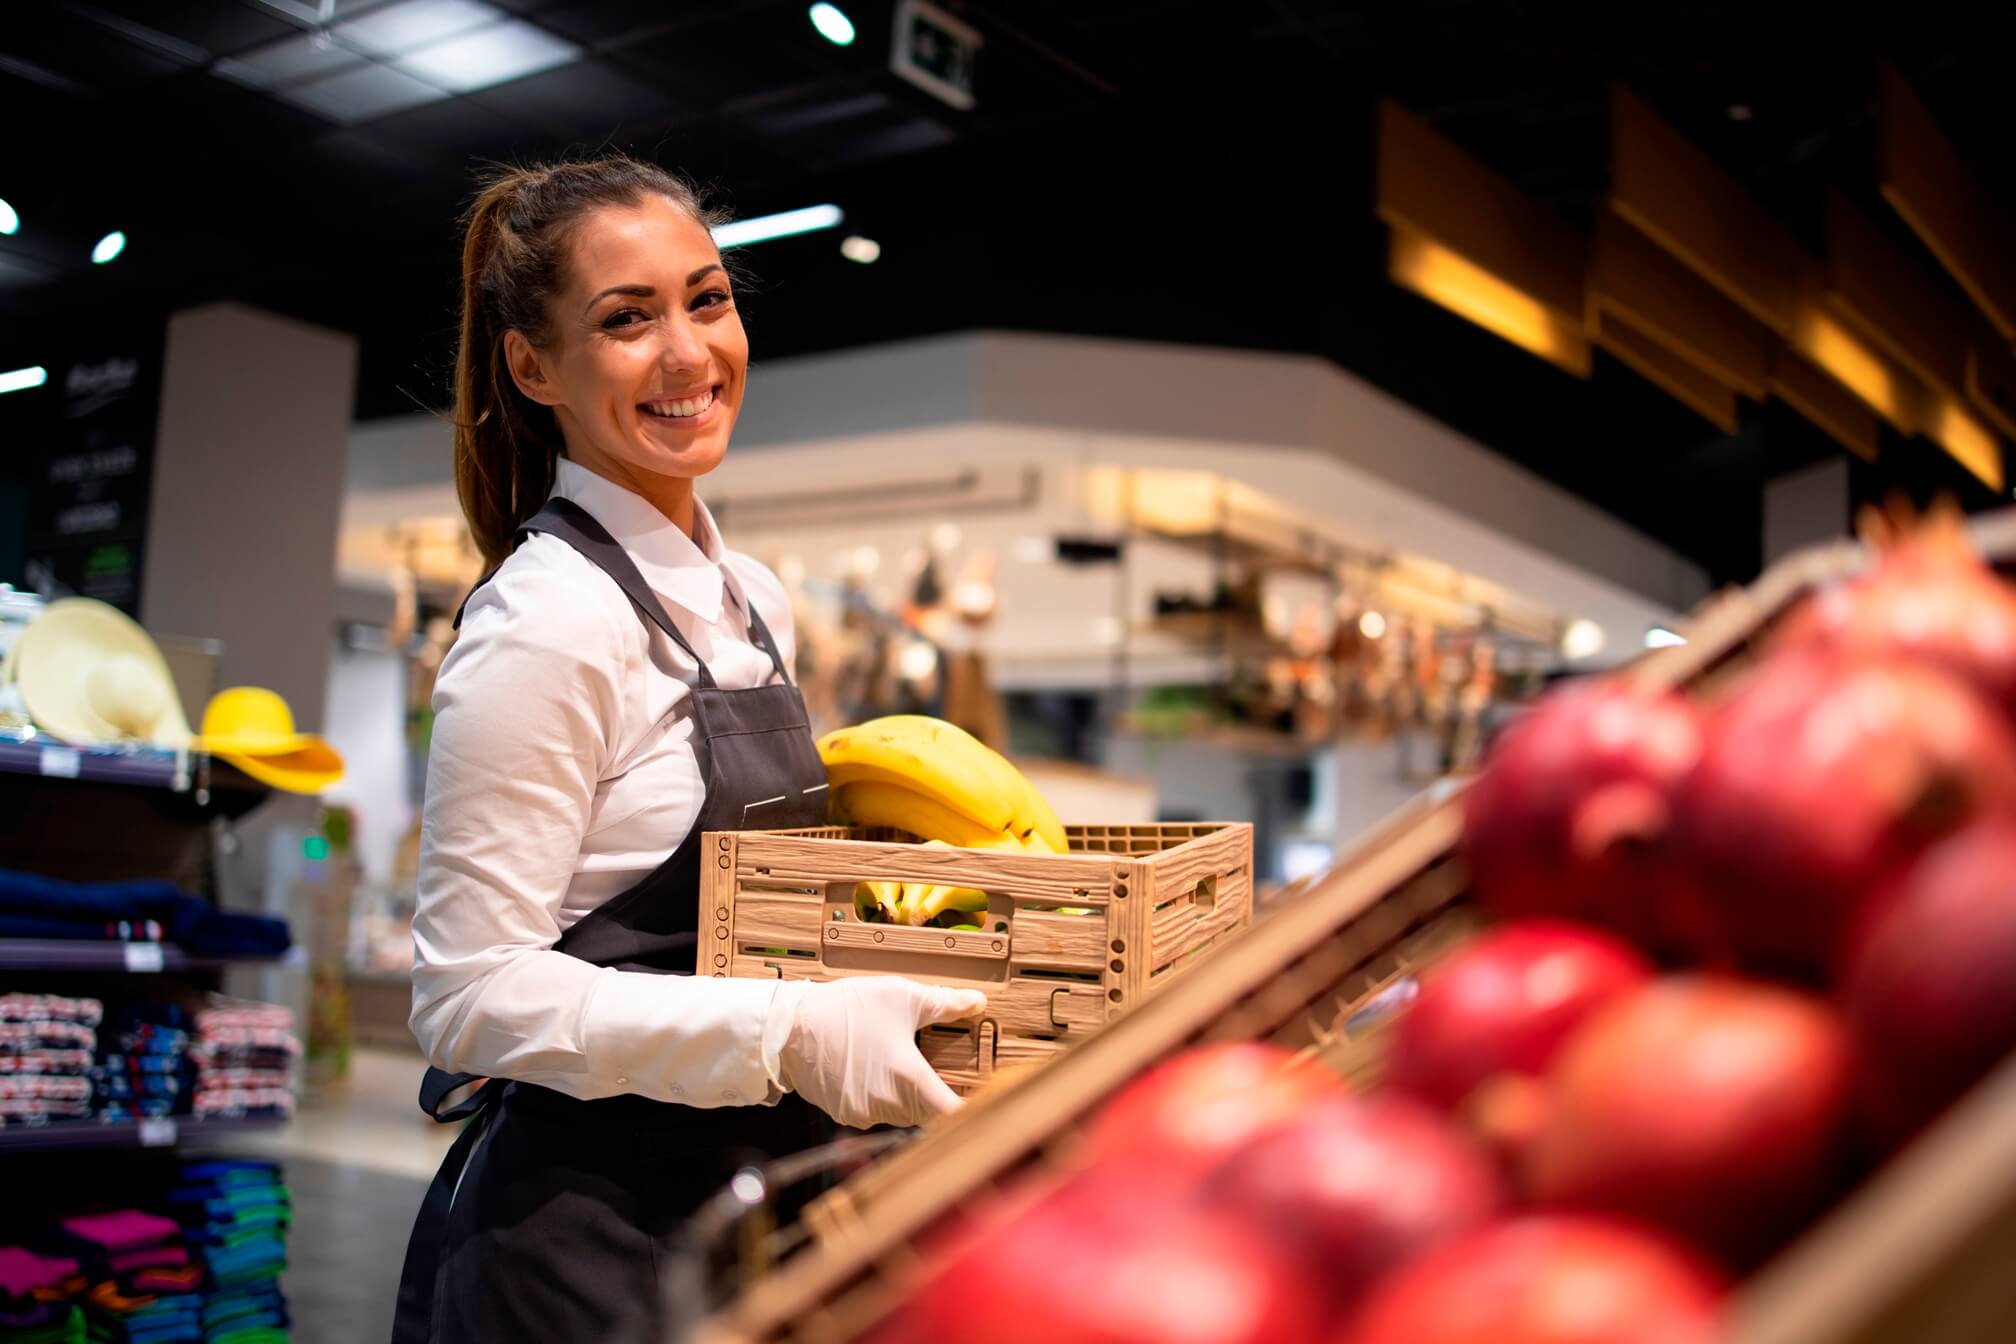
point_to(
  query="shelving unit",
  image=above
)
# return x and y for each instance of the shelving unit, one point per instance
(72, 1136)
(72, 954)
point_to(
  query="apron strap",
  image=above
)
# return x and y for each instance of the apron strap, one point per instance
(563, 518)
(437, 1085)
(765, 642)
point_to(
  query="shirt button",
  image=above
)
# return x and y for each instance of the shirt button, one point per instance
(731, 1095)
(622, 1082)
(678, 1091)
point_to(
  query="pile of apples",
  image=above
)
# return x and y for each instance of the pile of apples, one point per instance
(1744, 948)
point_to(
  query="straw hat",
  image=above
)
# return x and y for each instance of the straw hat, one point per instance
(89, 674)
(253, 729)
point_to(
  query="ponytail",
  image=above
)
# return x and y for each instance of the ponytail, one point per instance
(513, 257)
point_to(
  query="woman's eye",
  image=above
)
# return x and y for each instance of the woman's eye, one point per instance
(624, 317)
(713, 298)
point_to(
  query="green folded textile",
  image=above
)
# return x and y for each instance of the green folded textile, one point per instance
(265, 1334)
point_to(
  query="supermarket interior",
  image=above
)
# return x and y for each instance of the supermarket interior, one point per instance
(1263, 670)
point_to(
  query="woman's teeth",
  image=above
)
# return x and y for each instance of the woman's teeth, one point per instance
(684, 409)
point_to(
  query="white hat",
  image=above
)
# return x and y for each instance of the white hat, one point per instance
(88, 673)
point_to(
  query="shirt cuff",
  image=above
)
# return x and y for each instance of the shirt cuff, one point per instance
(698, 1041)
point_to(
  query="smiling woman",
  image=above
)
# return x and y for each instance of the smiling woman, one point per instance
(614, 695)
(598, 307)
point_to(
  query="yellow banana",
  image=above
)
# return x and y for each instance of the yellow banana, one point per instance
(887, 895)
(927, 755)
(943, 761)
(869, 802)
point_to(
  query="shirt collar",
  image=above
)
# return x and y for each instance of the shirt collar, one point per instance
(687, 570)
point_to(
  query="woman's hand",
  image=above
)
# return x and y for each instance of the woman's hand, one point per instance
(849, 1046)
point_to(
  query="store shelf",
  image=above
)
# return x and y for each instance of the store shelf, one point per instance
(71, 1136)
(71, 954)
(148, 769)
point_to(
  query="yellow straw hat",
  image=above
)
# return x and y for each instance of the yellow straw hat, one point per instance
(89, 674)
(253, 729)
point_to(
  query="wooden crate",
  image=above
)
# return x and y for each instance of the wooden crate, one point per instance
(781, 904)
(1918, 1255)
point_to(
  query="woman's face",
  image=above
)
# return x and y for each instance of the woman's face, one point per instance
(646, 359)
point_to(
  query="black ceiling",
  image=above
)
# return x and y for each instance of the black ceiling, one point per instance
(1189, 170)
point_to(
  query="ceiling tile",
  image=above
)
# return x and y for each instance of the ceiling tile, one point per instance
(587, 98)
(492, 55)
(293, 61)
(219, 28)
(361, 94)
(408, 24)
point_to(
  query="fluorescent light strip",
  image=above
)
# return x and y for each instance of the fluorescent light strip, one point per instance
(20, 380)
(743, 232)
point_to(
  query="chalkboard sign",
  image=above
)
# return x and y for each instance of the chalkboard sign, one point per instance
(93, 442)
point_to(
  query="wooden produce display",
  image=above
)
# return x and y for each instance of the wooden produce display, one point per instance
(1068, 941)
(1917, 1253)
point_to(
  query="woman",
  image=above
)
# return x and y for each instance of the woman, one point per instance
(618, 689)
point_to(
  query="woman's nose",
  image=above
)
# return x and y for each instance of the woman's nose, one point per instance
(682, 348)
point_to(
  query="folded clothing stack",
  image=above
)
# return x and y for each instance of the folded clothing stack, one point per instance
(146, 1067)
(46, 1045)
(245, 1055)
(34, 906)
(35, 1298)
(146, 1286)
(238, 1212)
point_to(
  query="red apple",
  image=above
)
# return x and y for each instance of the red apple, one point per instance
(1185, 1114)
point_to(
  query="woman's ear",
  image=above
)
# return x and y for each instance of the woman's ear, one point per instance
(528, 368)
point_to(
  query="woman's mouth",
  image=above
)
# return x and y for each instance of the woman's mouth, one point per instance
(687, 408)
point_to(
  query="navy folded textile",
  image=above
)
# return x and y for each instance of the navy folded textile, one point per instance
(90, 906)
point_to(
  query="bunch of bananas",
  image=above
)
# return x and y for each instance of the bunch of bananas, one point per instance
(946, 787)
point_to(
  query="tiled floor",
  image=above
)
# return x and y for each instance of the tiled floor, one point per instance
(358, 1158)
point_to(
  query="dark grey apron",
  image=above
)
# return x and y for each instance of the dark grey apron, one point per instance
(553, 1219)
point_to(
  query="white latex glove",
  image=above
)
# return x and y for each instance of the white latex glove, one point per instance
(849, 1046)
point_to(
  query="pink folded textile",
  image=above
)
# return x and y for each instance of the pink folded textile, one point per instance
(44, 1087)
(23, 1271)
(43, 1035)
(50, 1008)
(228, 1038)
(126, 1230)
(46, 1061)
(246, 1078)
(156, 1257)
(223, 1013)
(234, 1100)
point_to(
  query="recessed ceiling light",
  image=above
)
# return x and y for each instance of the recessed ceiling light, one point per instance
(1582, 639)
(411, 24)
(1659, 637)
(20, 380)
(108, 247)
(833, 25)
(863, 250)
(743, 232)
(279, 64)
(9, 221)
(487, 56)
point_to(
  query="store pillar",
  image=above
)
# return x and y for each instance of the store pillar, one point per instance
(248, 484)
(1805, 507)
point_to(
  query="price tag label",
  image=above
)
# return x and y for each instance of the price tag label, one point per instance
(157, 1131)
(61, 762)
(144, 958)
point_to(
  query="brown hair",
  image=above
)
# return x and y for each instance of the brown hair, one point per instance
(514, 251)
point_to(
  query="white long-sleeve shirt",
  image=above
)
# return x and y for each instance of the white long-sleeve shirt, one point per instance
(561, 772)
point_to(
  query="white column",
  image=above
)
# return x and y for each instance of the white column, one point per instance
(248, 483)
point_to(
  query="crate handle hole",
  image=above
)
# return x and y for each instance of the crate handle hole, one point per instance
(1206, 895)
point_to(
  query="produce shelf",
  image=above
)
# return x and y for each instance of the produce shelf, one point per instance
(72, 954)
(81, 1135)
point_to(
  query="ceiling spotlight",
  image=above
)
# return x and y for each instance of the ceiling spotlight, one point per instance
(108, 247)
(833, 25)
(863, 250)
(1582, 639)
(9, 221)
(20, 380)
(1659, 637)
(763, 228)
(1372, 625)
